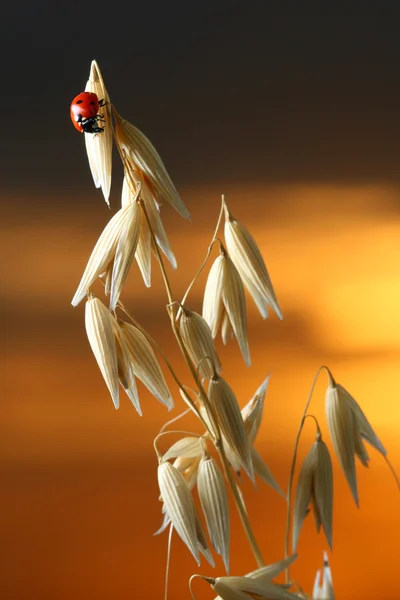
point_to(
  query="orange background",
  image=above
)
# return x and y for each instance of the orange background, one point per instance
(78, 479)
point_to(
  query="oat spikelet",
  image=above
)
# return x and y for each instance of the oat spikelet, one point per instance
(99, 147)
(362, 425)
(246, 588)
(261, 469)
(189, 468)
(103, 253)
(248, 260)
(145, 158)
(341, 428)
(124, 252)
(224, 303)
(179, 505)
(230, 421)
(145, 365)
(214, 502)
(315, 485)
(201, 538)
(125, 372)
(153, 212)
(269, 572)
(188, 447)
(324, 591)
(143, 252)
(252, 413)
(99, 324)
(196, 336)
(348, 427)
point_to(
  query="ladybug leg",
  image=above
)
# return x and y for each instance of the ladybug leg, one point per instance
(102, 103)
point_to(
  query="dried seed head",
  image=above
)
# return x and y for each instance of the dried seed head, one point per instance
(324, 591)
(143, 251)
(196, 336)
(348, 427)
(224, 303)
(269, 572)
(341, 428)
(214, 502)
(246, 588)
(362, 424)
(230, 421)
(261, 469)
(99, 147)
(153, 212)
(247, 259)
(188, 447)
(179, 505)
(125, 372)
(145, 365)
(145, 158)
(188, 467)
(201, 538)
(103, 253)
(99, 324)
(124, 252)
(315, 485)
(252, 413)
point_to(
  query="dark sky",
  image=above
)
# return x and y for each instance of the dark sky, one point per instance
(239, 94)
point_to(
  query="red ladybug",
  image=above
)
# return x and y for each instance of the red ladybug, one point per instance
(84, 113)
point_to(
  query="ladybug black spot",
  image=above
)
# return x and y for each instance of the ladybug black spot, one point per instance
(92, 102)
(79, 101)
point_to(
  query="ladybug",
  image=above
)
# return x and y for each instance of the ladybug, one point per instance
(84, 113)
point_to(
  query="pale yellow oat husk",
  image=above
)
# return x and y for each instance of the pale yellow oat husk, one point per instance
(269, 572)
(99, 323)
(341, 426)
(141, 151)
(188, 447)
(102, 254)
(252, 413)
(196, 336)
(245, 588)
(248, 260)
(145, 365)
(315, 486)
(99, 147)
(325, 590)
(143, 251)
(362, 424)
(201, 538)
(125, 372)
(230, 420)
(179, 505)
(232, 293)
(261, 469)
(153, 213)
(124, 252)
(213, 308)
(224, 304)
(214, 503)
(188, 467)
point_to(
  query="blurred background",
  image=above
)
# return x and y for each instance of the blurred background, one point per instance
(293, 117)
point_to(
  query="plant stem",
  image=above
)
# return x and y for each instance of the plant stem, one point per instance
(203, 264)
(240, 507)
(293, 466)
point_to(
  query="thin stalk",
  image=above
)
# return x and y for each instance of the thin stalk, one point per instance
(293, 466)
(152, 341)
(203, 264)
(240, 507)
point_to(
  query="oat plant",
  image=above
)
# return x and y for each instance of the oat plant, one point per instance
(206, 463)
